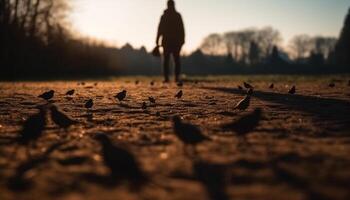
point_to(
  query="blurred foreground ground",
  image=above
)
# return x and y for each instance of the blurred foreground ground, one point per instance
(300, 150)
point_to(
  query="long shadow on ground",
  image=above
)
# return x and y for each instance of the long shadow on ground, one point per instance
(336, 111)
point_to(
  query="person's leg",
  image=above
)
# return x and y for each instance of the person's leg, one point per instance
(176, 55)
(166, 64)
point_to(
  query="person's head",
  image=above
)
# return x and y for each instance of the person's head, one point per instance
(171, 4)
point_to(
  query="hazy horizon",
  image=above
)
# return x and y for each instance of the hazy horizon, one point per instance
(135, 22)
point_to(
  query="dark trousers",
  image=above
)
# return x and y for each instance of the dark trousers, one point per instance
(175, 52)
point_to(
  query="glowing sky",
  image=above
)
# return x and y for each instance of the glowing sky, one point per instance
(136, 21)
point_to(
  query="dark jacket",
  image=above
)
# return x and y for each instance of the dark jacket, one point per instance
(171, 28)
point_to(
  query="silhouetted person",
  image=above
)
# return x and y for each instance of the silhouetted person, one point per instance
(171, 29)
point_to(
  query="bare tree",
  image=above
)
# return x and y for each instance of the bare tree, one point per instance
(254, 53)
(34, 18)
(232, 44)
(324, 45)
(5, 12)
(300, 46)
(246, 37)
(237, 43)
(303, 46)
(213, 45)
(267, 38)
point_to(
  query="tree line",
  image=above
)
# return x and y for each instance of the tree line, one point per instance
(36, 42)
(260, 51)
(264, 47)
(253, 46)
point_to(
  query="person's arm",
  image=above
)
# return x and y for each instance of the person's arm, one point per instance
(182, 30)
(160, 30)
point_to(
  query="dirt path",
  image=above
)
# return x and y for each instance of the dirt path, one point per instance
(299, 151)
